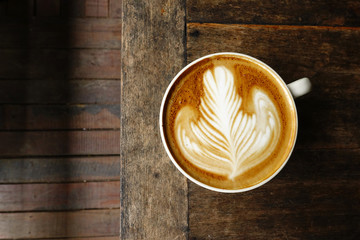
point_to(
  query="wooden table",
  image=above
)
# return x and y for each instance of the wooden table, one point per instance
(63, 173)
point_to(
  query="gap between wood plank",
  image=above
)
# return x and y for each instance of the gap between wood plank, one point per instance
(60, 156)
(280, 27)
(105, 237)
(62, 130)
(68, 79)
(61, 183)
(57, 211)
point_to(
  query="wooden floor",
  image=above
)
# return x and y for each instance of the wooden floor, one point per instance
(60, 66)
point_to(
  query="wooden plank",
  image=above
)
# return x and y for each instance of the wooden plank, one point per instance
(48, 8)
(62, 91)
(316, 195)
(154, 194)
(59, 143)
(61, 33)
(20, 8)
(115, 8)
(3, 8)
(277, 211)
(60, 63)
(325, 55)
(87, 238)
(59, 169)
(74, 8)
(91, 8)
(103, 8)
(288, 49)
(325, 123)
(105, 64)
(292, 12)
(96, 8)
(43, 117)
(320, 166)
(50, 197)
(95, 33)
(89, 223)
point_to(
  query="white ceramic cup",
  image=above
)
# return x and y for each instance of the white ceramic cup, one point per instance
(296, 88)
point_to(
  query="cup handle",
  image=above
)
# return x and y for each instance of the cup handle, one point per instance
(300, 87)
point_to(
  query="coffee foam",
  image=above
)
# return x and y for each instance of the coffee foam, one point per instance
(224, 139)
(225, 123)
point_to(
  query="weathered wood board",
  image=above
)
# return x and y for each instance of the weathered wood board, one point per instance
(153, 193)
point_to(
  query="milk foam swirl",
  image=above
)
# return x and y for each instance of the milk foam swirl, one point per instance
(222, 137)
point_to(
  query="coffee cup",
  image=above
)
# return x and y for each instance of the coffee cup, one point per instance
(228, 121)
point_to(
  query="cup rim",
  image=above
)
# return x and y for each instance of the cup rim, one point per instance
(163, 138)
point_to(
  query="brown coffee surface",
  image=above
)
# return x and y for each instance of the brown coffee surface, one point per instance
(229, 122)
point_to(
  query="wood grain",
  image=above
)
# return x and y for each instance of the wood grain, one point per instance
(60, 74)
(326, 55)
(103, 8)
(59, 169)
(47, 117)
(74, 8)
(154, 197)
(59, 143)
(328, 117)
(61, 33)
(292, 51)
(48, 8)
(60, 64)
(96, 8)
(115, 8)
(89, 223)
(277, 210)
(316, 195)
(88, 238)
(292, 12)
(50, 197)
(319, 166)
(21, 9)
(3, 8)
(60, 92)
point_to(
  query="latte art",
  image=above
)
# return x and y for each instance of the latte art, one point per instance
(223, 136)
(228, 122)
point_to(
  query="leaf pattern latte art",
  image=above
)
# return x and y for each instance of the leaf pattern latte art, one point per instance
(222, 137)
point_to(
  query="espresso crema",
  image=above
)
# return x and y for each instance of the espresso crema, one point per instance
(229, 122)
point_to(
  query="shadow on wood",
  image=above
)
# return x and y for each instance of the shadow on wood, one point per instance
(59, 119)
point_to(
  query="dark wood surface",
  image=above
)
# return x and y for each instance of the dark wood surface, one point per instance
(317, 194)
(290, 12)
(66, 67)
(326, 55)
